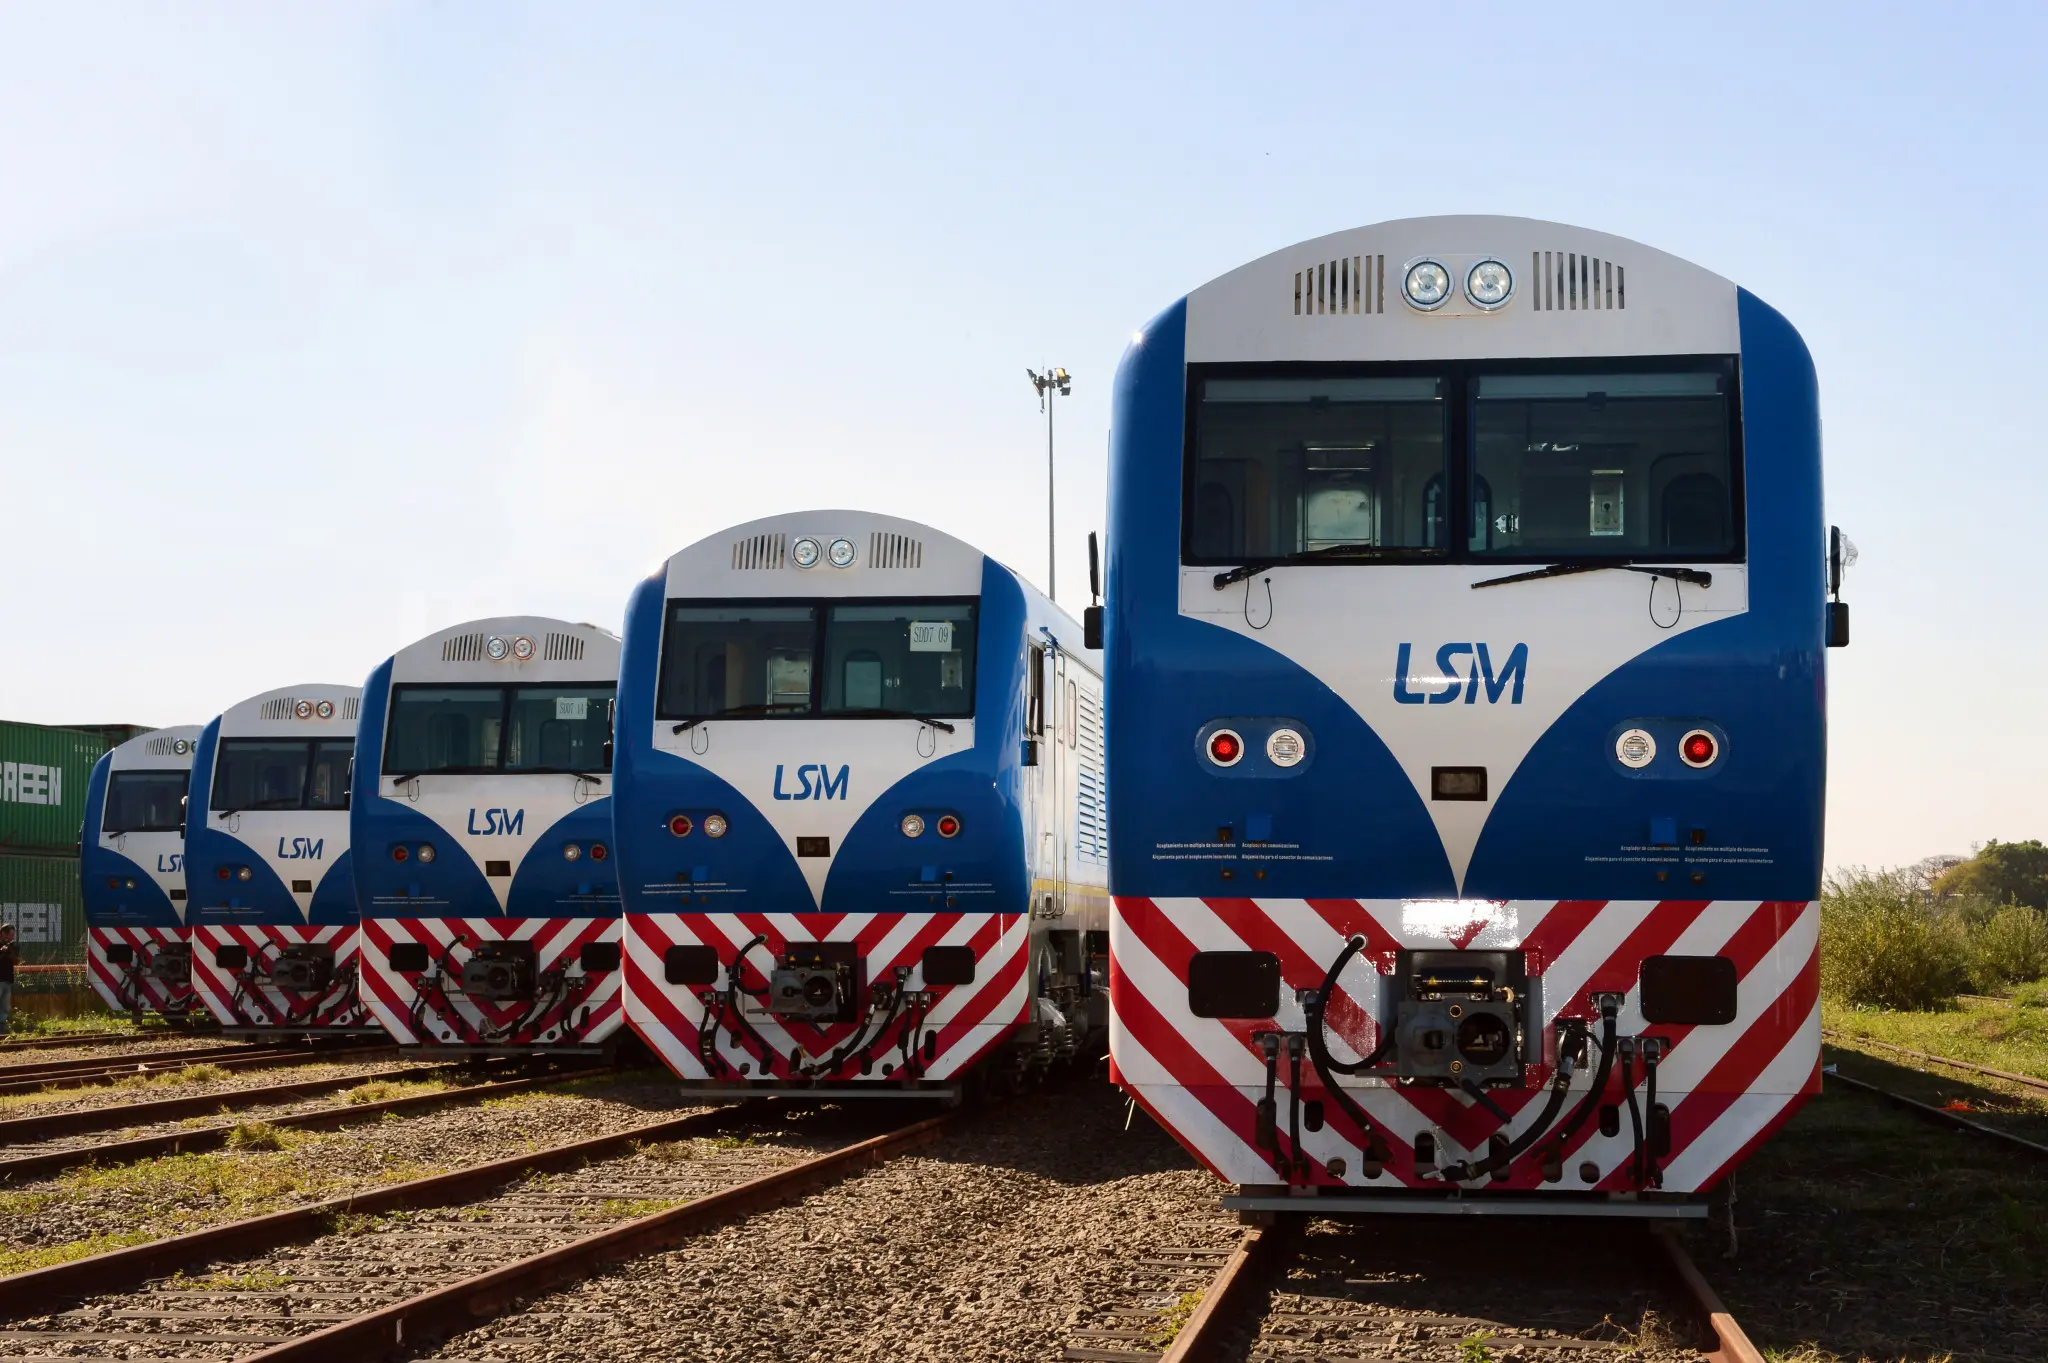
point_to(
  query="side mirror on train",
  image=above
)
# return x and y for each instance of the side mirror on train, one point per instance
(1841, 554)
(1030, 752)
(1091, 618)
(1838, 624)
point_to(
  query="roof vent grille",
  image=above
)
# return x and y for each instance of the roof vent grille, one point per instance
(894, 551)
(463, 648)
(1347, 284)
(760, 551)
(279, 707)
(351, 706)
(1566, 281)
(162, 747)
(562, 648)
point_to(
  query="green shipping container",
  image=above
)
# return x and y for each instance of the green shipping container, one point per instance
(39, 895)
(43, 773)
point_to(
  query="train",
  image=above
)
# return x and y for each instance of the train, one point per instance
(482, 822)
(270, 906)
(132, 875)
(859, 814)
(1468, 603)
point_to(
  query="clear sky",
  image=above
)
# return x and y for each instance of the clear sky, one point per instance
(325, 326)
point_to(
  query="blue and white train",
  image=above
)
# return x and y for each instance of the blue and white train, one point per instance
(132, 874)
(1468, 604)
(860, 812)
(270, 904)
(482, 824)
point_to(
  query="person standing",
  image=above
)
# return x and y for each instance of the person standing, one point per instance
(6, 976)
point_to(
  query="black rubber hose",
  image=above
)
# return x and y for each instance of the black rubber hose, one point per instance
(1318, 1044)
(1656, 1175)
(1599, 1089)
(1560, 1086)
(1635, 1116)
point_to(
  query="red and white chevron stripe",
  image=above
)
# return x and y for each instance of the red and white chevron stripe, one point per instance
(126, 988)
(1727, 1087)
(583, 1011)
(967, 1020)
(239, 1002)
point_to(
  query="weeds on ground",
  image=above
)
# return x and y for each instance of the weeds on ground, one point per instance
(667, 1152)
(356, 1223)
(159, 1079)
(22, 1260)
(86, 1026)
(1473, 1349)
(384, 1090)
(258, 1136)
(255, 1280)
(1994, 1033)
(730, 1142)
(1172, 1320)
(622, 1208)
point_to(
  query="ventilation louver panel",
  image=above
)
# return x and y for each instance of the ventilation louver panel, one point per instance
(894, 551)
(562, 648)
(1565, 281)
(463, 648)
(161, 747)
(1348, 284)
(1091, 802)
(279, 707)
(351, 706)
(760, 551)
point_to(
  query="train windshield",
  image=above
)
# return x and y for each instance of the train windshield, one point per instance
(554, 727)
(558, 728)
(327, 781)
(1287, 466)
(145, 802)
(260, 773)
(1581, 465)
(906, 657)
(800, 659)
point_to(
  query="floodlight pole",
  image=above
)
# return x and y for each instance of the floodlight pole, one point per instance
(1052, 383)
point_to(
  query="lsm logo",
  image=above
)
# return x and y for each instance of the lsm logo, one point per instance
(1463, 681)
(814, 782)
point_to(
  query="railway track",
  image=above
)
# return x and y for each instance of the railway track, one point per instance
(51, 1043)
(1944, 1116)
(2023, 1080)
(87, 1073)
(1439, 1289)
(43, 1163)
(363, 1276)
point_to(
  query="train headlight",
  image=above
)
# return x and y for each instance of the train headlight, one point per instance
(805, 552)
(522, 648)
(1427, 286)
(1489, 284)
(841, 553)
(325, 709)
(1226, 748)
(304, 709)
(949, 825)
(680, 825)
(1285, 747)
(1635, 749)
(426, 852)
(244, 873)
(913, 826)
(1698, 749)
(714, 825)
(495, 649)
(571, 852)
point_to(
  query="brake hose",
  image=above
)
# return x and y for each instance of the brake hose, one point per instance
(1598, 1090)
(1635, 1115)
(1656, 1175)
(1560, 1085)
(1327, 1066)
(1315, 1006)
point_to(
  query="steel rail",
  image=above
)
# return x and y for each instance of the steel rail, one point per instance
(51, 1043)
(462, 1305)
(1735, 1345)
(11, 1074)
(39, 1291)
(213, 1137)
(2025, 1080)
(1933, 1113)
(266, 1061)
(1203, 1338)
(113, 1117)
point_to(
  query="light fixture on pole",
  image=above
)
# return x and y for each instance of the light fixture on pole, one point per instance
(1052, 383)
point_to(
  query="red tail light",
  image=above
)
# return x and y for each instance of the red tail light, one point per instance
(398, 853)
(1225, 747)
(1698, 748)
(222, 872)
(949, 825)
(597, 852)
(680, 825)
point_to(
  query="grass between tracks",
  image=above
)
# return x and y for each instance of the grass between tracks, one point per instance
(2007, 1034)
(88, 1026)
(1868, 1233)
(156, 1079)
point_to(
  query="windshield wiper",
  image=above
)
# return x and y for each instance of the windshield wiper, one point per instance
(1260, 565)
(759, 707)
(1692, 575)
(878, 712)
